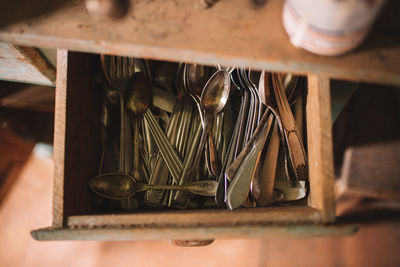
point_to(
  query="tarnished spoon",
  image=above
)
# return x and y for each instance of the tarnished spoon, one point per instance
(121, 186)
(195, 78)
(139, 96)
(213, 100)
(138, 101)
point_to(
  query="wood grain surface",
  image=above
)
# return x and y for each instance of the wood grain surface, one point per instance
(230, 33)
(320, 152)
(222, 232)
(25, 64)
(59, 137)
(200, 218)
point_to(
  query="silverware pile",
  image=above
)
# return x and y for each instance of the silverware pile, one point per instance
(189, 136)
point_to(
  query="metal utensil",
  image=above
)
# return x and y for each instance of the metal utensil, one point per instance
(195, 78)
(120, 186)
(138, 100)
(235, 144)
(160, 172)
(230, 156)
(213, 100)
(170, 156)
(118, 71)
(263, 184)
(239, 188)
(293, 137)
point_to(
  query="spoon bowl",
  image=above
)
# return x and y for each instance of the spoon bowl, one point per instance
(113, 185)
(196, 78)
(139, 94)
(216, 92)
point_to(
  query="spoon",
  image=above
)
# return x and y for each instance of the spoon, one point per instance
(195, 78)
(139, 95)
(121, 186)
(213, 100)
(138, 101)
(292, 189)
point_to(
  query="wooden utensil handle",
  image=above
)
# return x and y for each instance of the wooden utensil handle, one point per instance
(293, 138)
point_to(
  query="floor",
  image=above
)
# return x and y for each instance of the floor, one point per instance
(27, 206)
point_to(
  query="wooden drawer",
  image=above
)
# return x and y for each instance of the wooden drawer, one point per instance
(76, 150)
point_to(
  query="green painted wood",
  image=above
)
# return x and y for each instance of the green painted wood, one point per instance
(222, 232)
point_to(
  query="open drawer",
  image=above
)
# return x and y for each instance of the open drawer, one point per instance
(76, 150)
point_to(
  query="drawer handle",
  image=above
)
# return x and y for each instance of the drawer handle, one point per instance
(192, 243)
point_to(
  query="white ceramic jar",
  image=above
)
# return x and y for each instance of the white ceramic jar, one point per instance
(329, 27)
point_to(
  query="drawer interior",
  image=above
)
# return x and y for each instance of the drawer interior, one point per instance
(77, 150)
